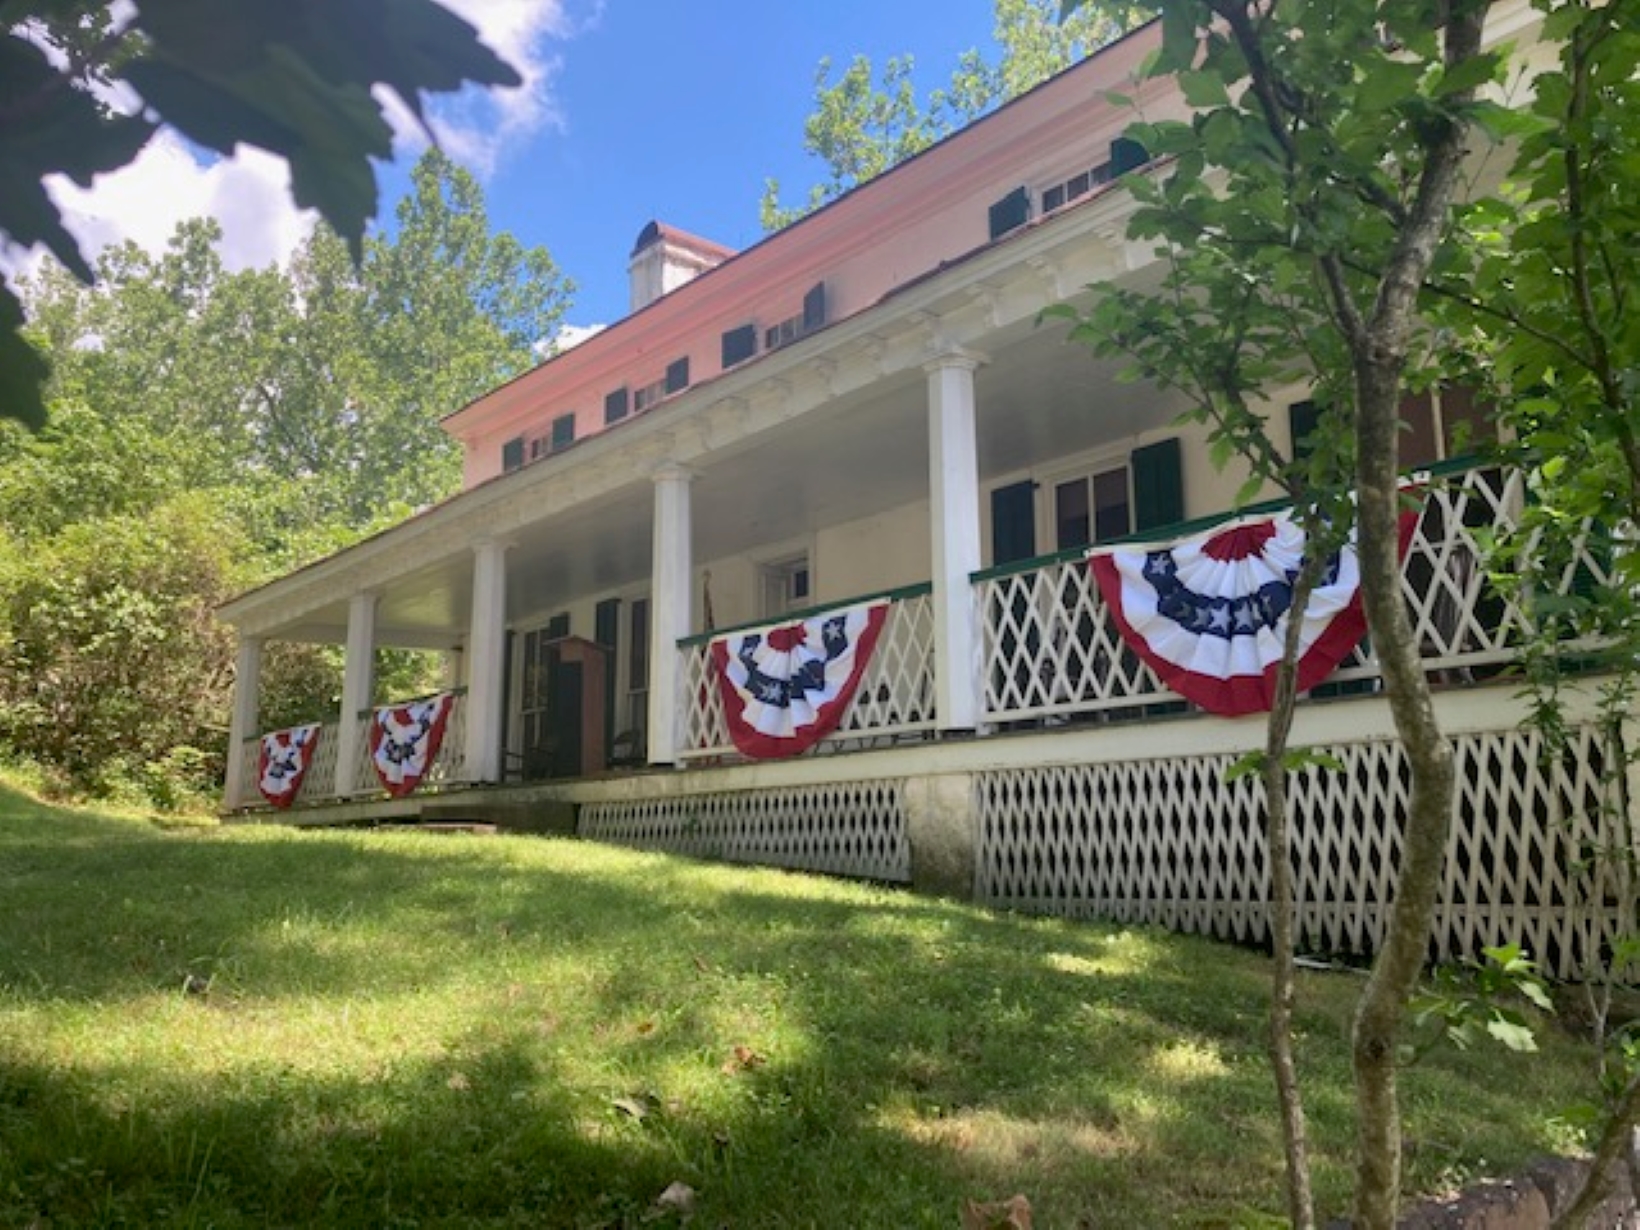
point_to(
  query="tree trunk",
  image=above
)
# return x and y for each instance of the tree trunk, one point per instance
(1378, 348)
(1278, 840)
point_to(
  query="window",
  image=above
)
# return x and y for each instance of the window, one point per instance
(616, 405)
(563, 431)
(739, 345)
(1096, 508)
(512, 454)
(648, 396)
(786, 586)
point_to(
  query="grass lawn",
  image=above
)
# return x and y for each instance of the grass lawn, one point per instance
(261, 1026)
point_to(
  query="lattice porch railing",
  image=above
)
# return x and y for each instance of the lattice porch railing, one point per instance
(1050, 647)
(895, 700)
(1174, 842)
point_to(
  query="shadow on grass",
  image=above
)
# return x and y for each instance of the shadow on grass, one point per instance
(409, 1030)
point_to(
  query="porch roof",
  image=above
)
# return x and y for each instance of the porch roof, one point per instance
(832, 427)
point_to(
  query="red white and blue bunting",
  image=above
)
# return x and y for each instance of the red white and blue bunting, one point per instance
(283, 762)
(787, 686)
(1209, 613)
(404, 741)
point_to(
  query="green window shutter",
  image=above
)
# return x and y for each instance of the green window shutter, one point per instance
(563, 431)
(557, 626)
(1303, 417)
(814, 307)
(1126, 155)
(512, 454)
(606, 625)
(1013, 523)
(1158, 485)
(616, 405)
(677, 375)
(739, 345)
(1011, 212)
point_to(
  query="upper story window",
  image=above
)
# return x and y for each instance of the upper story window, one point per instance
(563, 431)
(616, 405)
(512, 454)
(1126, 155)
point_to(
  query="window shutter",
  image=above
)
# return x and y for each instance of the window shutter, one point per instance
(1126, 155)
(557, 626)
(1013, 523)
(606, 625)
(512, 454)
(616, 405)
(1302, 420)
(563, 431)
(739, 345)
(814, 308)
(1011, 212)
(677, 375)
(1158, 485)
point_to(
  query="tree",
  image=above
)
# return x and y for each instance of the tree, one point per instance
(1300, 184)
(294, 77)
(278, 415)
(859, 129)
(1551, 296)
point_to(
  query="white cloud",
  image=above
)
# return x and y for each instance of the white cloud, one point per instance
(479, 127)
(166, 184)
(250, 192)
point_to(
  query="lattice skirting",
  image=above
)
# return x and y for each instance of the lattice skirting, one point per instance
(1172, 842)
(850, 829)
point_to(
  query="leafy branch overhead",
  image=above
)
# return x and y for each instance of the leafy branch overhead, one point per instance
(294, 77)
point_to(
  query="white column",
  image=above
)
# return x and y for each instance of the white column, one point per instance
(358, 690)
(247, 695)
(670, 609)
(953, 484)
(487, 662)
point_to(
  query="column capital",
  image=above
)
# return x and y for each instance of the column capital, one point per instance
(673, 472)
(489, 543)
(959, 358)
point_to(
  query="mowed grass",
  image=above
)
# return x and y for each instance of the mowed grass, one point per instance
(262, 1026)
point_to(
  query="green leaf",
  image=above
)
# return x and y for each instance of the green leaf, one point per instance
(1515, 1036)
(1204, 89)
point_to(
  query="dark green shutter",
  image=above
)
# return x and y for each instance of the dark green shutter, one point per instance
(1126, 155)
(557, 626)
(1158, 485)
(563, 431)
(616, 405)
(1302, 418)
(1010, 213)
(677, 375)
(814, 308)
(739, 345)
(1013, 523)
(606, 625)
(512, 453)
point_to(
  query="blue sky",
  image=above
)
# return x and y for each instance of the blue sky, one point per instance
(632, 110)
(680, 111)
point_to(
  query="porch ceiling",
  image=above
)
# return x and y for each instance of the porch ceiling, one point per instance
(860, 454)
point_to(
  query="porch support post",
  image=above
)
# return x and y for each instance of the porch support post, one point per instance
(953, 485)
(487, 662)
(247, 696)
(358, 690)
(671, 606)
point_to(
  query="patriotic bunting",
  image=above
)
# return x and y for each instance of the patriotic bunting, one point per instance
(283, 762)
(404, 740)
(785, 687)
(1208, 613)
